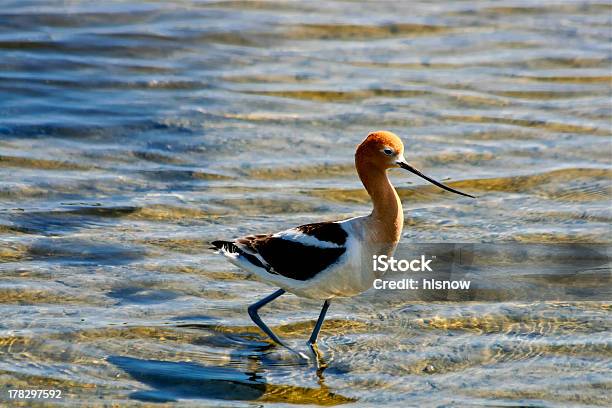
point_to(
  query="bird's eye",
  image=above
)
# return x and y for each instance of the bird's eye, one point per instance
(388, 151)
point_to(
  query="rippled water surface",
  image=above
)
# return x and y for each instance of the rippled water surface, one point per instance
(134, 133)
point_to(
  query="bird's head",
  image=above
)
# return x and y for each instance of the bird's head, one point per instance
(383, 150)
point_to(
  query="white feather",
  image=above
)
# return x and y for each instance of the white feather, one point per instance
(298, 236)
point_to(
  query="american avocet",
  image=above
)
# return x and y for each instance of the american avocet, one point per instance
(331, 259)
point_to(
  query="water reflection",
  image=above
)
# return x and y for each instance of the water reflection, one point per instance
(172, 381)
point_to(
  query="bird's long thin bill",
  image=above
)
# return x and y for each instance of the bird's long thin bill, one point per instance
(411, 169)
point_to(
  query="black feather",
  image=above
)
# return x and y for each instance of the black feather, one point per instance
(232, 248)
(224, 244)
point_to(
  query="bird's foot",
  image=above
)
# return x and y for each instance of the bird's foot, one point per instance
(302, 356)
(318, 357)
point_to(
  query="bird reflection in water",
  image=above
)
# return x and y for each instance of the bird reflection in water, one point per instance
(174, 380)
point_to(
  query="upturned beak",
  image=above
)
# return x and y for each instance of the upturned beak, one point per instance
(406, 166)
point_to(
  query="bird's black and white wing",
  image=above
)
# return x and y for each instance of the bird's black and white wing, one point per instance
(299, 253)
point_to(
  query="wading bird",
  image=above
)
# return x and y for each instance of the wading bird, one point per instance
(331, 259)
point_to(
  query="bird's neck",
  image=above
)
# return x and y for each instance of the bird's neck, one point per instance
(387, 217)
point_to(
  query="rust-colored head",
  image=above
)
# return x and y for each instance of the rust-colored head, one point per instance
(381, 150)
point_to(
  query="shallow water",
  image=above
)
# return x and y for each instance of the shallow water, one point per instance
(134, 133)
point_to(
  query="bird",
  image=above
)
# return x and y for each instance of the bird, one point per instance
(331, 259)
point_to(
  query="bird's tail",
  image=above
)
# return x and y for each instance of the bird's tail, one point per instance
(226, 246)
(233, 251)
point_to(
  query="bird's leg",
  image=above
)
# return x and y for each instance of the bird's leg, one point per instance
(315, 333)
(312, 342)
(257, 320)
(255, 317)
